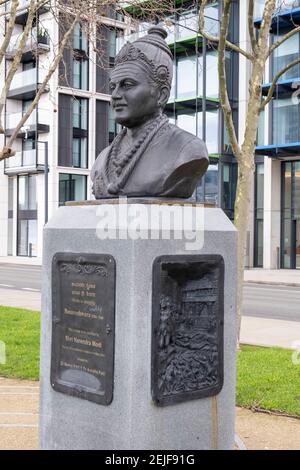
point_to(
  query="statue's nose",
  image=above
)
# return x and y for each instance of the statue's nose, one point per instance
(116, 93)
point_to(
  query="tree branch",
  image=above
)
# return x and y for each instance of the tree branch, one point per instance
(275, 80)
(17, 58)
(9, 29)
(283, 39)
(54, 65)
(251, 25)
(217, 39)
(225, 103)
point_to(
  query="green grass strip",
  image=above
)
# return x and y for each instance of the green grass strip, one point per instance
(20, 333)
(268, 379)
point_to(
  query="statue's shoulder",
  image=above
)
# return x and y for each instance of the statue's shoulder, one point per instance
(188, 146)
(100, 160)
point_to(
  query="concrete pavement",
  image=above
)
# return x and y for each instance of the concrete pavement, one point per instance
(269, 332)
(19, 405)
(20, 299)
(289, 277)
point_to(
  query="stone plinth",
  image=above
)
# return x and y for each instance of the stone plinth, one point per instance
(133, 420)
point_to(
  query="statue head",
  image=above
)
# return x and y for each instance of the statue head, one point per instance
(141, 79)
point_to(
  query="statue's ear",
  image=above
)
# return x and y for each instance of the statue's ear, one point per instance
(164, 96)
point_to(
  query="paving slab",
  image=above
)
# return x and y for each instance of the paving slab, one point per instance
(19, 422)
(289, 277)
(20, 299)
(260, 431)
(19, 408)
(268, 332)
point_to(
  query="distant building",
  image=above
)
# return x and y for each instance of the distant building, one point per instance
(83, 126)
(72, 122)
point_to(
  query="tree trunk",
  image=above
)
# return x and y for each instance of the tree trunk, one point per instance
(241, 219)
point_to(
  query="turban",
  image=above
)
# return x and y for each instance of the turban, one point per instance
(152, 53)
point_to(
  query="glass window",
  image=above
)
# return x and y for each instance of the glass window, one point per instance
(72, 188)
(29, 65)
(207, 191)
(80, 41)
(212, 19)
(286, 117)
(112, 43)
(26, 105)
(80, 152)
(261, 129)
(80, 113)
(259, 198)
(259, 215)
(212, 129)
(212, 83)
(296, 190)
(258, 8)
(186, 77)
(284, 54)
(27, 198)
(287, 245)
(187, 122)
(229, 180)
(80, 73)
(27, 238)
(10, 194)
(287, 186)
(187, 24)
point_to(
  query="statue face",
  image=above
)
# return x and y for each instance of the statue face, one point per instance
(134, 99)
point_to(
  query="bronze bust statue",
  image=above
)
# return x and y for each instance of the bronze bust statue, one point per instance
(150, 157)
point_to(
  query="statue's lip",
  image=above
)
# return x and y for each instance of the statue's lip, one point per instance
(119, 105)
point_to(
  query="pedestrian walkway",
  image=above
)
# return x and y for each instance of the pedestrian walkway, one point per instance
(269, 332)
(21, 260)
(289, 277)
(20, 299)
(19, 404)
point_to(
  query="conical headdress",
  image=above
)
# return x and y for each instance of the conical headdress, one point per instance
(152, 53)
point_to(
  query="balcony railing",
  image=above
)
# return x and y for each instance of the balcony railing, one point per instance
(27, 78)
(13, 119)
(27, 159)
(24, 4)
(184, 27)
(281, 6)
(37, 39)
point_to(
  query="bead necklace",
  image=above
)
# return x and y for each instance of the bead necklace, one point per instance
(117, 171)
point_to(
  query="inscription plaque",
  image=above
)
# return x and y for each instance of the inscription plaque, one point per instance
(83, 325)
(187, 328)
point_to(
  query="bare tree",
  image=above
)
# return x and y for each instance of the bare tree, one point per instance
(89, 13)
(244, 150)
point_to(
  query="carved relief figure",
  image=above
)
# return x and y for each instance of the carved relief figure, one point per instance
(150, 157)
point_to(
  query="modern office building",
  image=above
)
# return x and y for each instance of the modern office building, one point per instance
(65, 133)
(73, 124)
(276, 202)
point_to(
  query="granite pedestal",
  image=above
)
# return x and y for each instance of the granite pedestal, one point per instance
(132, 420)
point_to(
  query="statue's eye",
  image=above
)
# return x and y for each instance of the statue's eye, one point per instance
(128, 85)
(112, 86)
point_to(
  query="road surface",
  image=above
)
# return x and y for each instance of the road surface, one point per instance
(260, 300)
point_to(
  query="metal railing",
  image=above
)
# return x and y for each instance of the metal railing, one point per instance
(37, 36)
(32, 158)
(28, 77)
(13, 119)
(281, 6)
